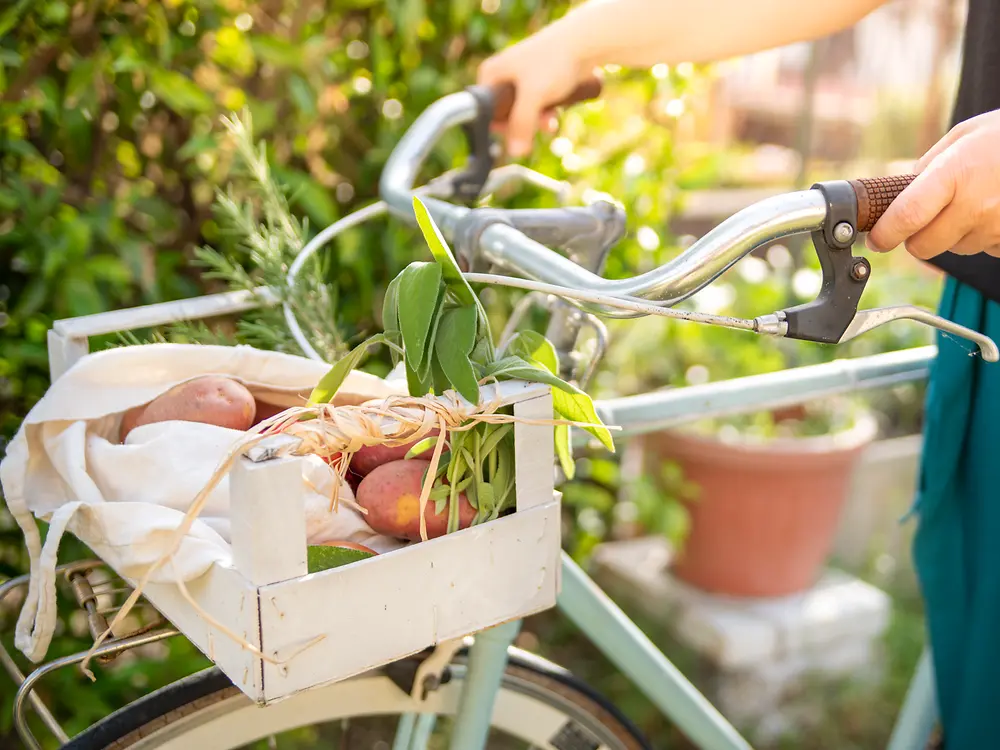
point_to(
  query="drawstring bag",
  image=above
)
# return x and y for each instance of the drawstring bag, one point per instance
(65, 466)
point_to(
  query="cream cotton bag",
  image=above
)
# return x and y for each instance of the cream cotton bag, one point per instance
(125, 501)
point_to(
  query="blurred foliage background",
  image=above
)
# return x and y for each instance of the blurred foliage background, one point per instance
(111, 153)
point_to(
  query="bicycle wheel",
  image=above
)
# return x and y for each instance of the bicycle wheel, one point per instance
(539, 707)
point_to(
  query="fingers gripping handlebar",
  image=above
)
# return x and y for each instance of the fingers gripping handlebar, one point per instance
(504, 94)
(834, 212)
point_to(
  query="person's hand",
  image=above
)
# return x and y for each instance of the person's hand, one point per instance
(954, 201)
(544, 68)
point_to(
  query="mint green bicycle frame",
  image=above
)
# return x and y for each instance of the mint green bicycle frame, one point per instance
(580, 599)
(610, 629)
(500, 244)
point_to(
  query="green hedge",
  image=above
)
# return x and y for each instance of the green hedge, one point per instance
(110, 153)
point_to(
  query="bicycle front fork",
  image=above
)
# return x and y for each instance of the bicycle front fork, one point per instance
(484, 672)
(486, 665)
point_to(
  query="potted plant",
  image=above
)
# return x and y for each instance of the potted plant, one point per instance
(770, 485)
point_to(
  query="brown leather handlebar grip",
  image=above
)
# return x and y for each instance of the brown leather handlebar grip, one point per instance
(503, 97)
(874, 196)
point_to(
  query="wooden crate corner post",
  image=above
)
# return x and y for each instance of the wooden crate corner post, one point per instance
(268, 517)
(534, 449)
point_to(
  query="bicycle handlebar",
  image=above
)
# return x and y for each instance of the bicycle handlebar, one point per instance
(834, 212)
(874, 196)
(678, 279)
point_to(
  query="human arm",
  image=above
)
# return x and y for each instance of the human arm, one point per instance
(547, 66)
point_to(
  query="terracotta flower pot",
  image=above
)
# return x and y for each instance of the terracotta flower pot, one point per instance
(766, 514)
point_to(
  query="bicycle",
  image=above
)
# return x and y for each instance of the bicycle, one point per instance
(482, 689)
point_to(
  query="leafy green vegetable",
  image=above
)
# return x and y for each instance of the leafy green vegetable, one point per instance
(422, 447)
(442, 254)
(494, 435)
(577, 406)
(446, 341)
(534, 347)
(328, 386)
(564, 451)
(390, 310)
(538, 350)
(322, 557)
(456, 337)
(419, 299)
(568, 401)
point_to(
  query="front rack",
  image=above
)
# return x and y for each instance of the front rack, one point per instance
(99, 593)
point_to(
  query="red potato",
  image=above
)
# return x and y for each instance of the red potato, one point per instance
(349, 545)
(354, 481)
(265, 410)
(391, 495)
(372, 456)
(211, 399)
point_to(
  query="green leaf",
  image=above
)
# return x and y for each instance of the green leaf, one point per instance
(440, 493)
(534, 347)
(322, 557)
(80, 82)
(442, 254)
(277, 52)
(494, 437)
(390, 308)
(422, 447)
(482, 352)
(180, 93)
(579, 407)
(486, 498)
(418, 383)
(327, 388)
(10, 17)
(568, 401)
(442, 465)
(456, 336)
(439, 380)
(563, 451)
(515, 368)
(503, 479)
(307, 194)
(303, 95)
(467, 456)
(419, 299)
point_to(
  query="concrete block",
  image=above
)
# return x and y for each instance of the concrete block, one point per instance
(758, 650)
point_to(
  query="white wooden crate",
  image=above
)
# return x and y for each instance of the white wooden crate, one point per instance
(331, 625)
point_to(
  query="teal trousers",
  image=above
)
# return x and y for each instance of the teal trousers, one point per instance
(957, 544)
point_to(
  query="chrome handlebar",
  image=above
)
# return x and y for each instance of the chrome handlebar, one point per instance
(505, 246)
(829, 211)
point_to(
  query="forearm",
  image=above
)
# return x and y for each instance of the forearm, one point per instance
(641, 33)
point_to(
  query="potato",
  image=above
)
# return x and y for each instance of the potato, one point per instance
(211, 399)
(265, 410)
(372, 456)
(354, 481)
(391, 495)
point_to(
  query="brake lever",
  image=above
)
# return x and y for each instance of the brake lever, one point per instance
(833, 317)
(866, 320)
